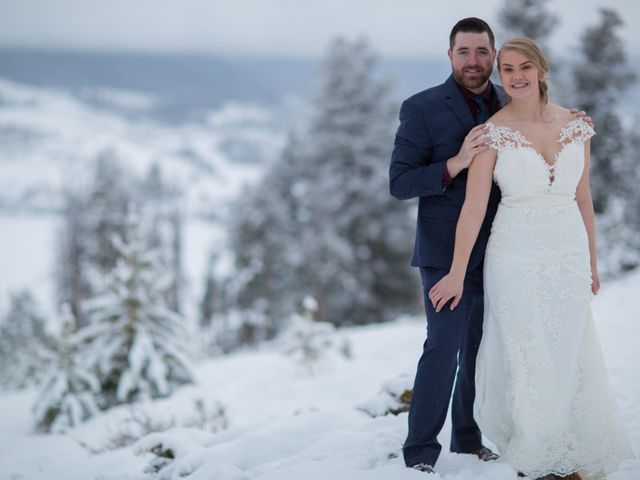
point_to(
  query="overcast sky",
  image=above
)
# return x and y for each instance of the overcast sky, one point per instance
(274, 27)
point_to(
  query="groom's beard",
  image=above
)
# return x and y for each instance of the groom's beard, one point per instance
(472, 77)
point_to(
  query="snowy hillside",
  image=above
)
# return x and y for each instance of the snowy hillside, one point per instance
(285, 421)
(49, 141)
(50, 138)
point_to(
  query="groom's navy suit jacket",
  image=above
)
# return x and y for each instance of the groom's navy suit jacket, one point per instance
(433, 125)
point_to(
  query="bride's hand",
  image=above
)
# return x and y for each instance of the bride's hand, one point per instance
(595, 282)
(447, 288)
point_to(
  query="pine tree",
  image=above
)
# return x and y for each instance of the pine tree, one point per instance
(106, 209)
(68, 392)
(307, 341)
(208, 303)
(72, 284)
(214, 310)
(619, 227)
(266, 237)
(174, 293)
(631, 197)
(600, 78)
(360, 236)
(163, 219)
(528, 18)
(134, 342)
(321, 223)
(25, 345)
(91, 218)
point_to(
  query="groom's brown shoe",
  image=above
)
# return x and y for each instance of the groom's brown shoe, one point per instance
(485, 454)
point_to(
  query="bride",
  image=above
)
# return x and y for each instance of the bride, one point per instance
(543, 396)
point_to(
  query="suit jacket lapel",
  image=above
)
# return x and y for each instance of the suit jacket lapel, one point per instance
(456, 102)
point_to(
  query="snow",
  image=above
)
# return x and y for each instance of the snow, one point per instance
(119, 98)
(285, 423)
(50, 140)
(34, 234)
(37, 235)
(49, 137)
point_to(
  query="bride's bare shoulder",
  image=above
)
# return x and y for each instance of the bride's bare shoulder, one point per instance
(501, 118)
(562, 114)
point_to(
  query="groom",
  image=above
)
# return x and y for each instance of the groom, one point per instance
(439, 135)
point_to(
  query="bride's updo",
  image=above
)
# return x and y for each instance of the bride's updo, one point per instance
(528, 48)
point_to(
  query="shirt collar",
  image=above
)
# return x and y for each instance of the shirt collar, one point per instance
(485, 94)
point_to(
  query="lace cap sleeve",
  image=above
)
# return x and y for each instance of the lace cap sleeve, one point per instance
(504, 137)
(576, 131)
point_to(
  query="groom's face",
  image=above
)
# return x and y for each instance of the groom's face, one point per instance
(472, 58)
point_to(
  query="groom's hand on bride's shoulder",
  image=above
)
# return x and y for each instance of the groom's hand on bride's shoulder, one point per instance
(583, 115)
(447, 288)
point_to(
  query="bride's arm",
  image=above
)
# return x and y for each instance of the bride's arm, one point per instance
(479, 183)
(585, 204)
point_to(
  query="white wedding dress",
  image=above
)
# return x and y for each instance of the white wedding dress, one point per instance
(542, 392)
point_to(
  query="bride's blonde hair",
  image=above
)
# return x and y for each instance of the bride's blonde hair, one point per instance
(529, 48)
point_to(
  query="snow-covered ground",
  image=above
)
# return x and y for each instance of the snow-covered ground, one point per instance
(286, 423)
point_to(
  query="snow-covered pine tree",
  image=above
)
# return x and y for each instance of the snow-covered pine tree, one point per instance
(308, 341)
(210, 297)
(529, 18)
(134, 342)
(72, 284)
(163, 226)
(175, 226)
(106, 209)
(214, 310)
(321, 222)
(358, 236)
(619, 227)
(68, 392)
(25, 346)
(600, 77)
(266, 238)
(92, 216)
(630, 198)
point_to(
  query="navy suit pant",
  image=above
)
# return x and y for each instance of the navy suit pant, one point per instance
(453, 338)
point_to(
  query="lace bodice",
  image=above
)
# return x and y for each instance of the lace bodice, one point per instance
(526, 177)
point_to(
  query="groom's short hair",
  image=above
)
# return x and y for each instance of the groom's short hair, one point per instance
(474, 25)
